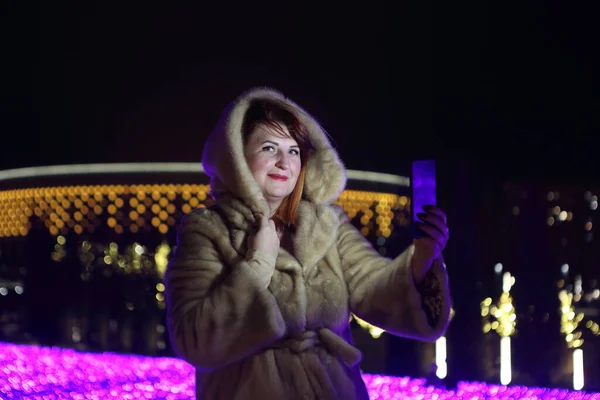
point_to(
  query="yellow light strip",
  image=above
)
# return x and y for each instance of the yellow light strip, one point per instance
(134, 207)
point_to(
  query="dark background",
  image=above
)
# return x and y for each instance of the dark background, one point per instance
(509, 86)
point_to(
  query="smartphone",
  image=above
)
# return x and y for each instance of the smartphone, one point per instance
(423, 190)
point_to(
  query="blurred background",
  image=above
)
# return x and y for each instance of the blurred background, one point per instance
(502, 96)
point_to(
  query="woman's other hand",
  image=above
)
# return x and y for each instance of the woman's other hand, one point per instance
(265, 240)
(430, 246)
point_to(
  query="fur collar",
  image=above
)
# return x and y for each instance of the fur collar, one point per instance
(312, 237)
(223, 158)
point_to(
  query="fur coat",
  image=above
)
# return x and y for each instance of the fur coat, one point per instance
(287, 338)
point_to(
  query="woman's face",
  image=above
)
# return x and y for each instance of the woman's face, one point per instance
(274, 162)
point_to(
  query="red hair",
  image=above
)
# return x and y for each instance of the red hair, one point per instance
(275, 115)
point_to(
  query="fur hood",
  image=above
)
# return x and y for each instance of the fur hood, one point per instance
(224, 161)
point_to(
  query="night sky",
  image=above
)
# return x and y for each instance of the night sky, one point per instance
(511, 88)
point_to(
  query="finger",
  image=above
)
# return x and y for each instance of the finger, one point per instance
(433, 233)
(261, 220)
(272, 224)
(431, 209)
(265, 221)
(258, 220)
(435, 221)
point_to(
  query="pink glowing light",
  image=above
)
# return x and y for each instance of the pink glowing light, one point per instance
(31, 372)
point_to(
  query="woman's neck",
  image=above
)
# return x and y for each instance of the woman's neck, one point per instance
(273, 207)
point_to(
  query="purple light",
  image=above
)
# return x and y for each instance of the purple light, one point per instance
(50, 374)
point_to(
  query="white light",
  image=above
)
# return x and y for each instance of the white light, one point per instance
(139, 249)
(593, 204)
(378, 177)
(578, 285)
(564, 269)
(168, 167)
(596, 294)
(562, 216)
(3, 291)
(19, 289)
(505, 361)
(578, 369)
(440, 358)
(76, 334)
(498, 268)
(86, 169)
(507, 282)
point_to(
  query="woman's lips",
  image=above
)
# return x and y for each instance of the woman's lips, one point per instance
(278, 177)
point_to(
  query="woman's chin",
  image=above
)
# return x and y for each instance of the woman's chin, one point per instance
(275, 197)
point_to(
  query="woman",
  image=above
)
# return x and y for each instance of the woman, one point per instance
(261, 286)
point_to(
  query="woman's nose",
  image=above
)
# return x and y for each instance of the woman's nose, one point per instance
(282, 162)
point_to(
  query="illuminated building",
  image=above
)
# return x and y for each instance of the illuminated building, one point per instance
(544, 235)
(571, 216)
(85, 248)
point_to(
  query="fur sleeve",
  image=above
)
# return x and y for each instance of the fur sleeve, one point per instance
(383, 293)
(217, 314)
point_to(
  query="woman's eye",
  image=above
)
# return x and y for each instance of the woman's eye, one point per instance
(268, 148)
(295, 152)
